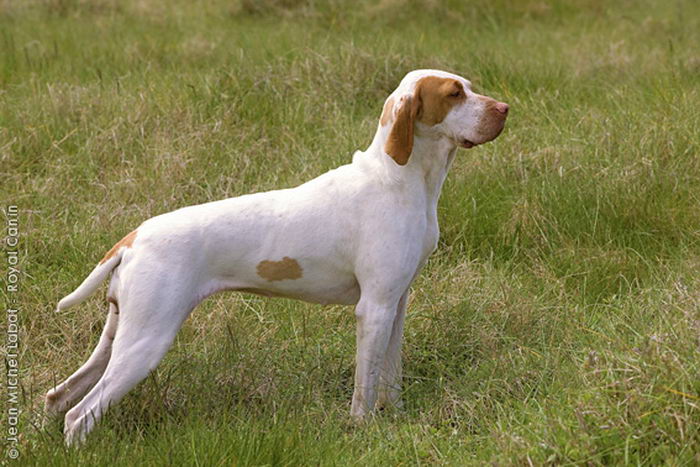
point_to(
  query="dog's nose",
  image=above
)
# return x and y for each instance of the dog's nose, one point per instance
(502, 107)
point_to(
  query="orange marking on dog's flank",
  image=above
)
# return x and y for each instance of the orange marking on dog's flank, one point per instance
(124, 242)
(288, 268)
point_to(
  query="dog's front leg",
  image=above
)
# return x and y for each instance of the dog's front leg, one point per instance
(389, 386)
(374, 326)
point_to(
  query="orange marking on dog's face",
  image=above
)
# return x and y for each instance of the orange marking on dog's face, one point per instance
(386, 112)
(438, 96)
(287, 268)
(432, 100)
(124, 242)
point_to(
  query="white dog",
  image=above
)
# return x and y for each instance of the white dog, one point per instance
(356, 235)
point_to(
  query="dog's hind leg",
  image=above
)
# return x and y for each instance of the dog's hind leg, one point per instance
(63, 396)
(149, 320)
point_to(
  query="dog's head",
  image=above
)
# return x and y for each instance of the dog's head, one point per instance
(437, 104)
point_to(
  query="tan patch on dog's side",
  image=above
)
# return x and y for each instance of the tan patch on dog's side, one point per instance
(386, 112)
(288, 268)
(438, 96)
(124, 242)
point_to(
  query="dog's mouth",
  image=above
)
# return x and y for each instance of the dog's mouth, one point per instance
(466, 144)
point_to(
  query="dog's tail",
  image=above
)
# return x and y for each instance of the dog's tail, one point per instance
(99, 274)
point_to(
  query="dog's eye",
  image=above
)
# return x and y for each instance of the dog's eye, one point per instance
(456, 93)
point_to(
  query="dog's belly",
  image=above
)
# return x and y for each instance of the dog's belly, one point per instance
(340, 289)
(338, 295)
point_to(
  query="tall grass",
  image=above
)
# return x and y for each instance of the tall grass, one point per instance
(558, 322)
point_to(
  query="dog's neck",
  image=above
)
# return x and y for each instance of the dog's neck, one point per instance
(427, 165)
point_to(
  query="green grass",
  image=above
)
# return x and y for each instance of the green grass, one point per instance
(559, 320)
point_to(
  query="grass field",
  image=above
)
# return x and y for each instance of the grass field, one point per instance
(557, 323)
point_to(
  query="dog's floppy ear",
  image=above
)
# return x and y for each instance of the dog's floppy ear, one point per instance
(399, 144)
